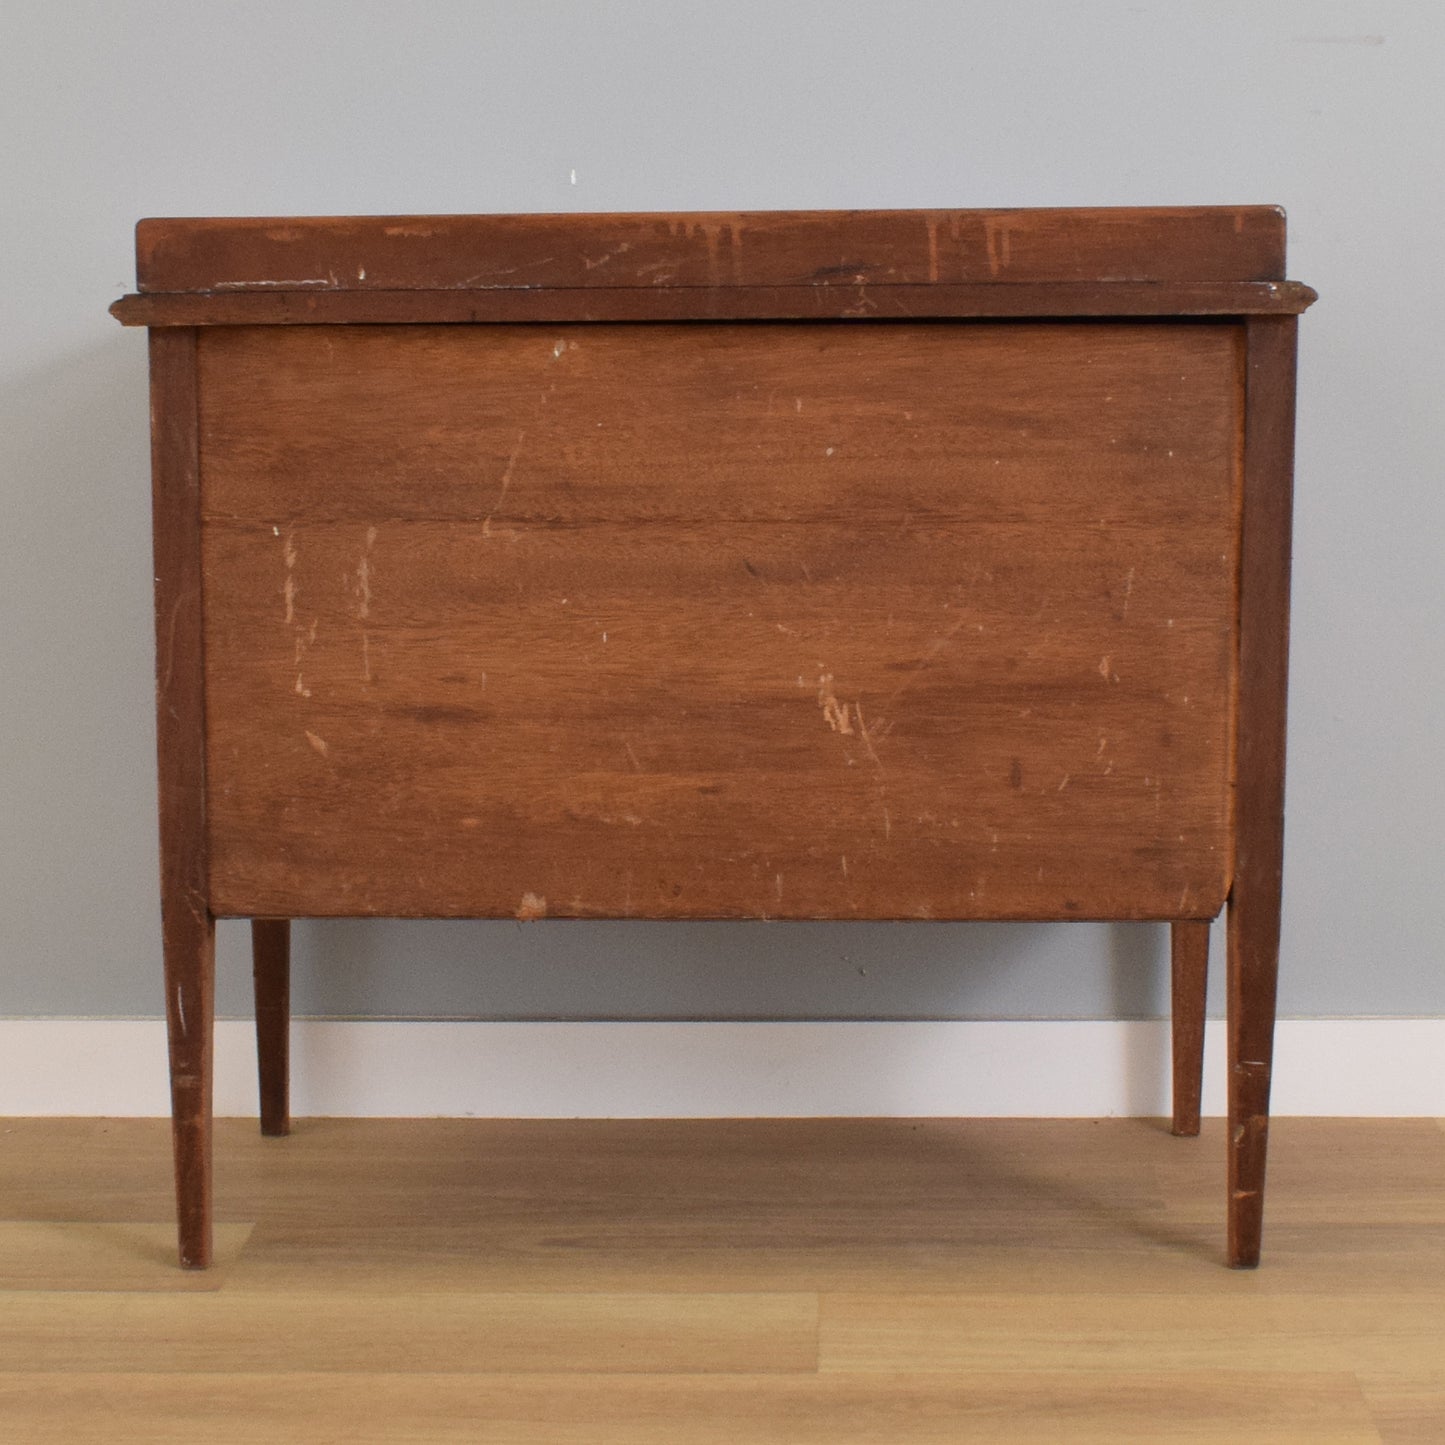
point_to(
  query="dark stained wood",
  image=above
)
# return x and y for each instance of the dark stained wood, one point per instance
(1254, 901)
(271, 969)
(857, 301)
(1189, 973)
(188, 928)
(711, 249)
(728, 622)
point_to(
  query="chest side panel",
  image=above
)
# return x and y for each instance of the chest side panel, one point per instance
(761, 620)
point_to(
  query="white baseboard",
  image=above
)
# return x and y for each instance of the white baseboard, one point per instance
(117, 1068)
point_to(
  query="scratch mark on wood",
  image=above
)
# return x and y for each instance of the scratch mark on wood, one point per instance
(998, 243)
(591, 264)
(835, 714)
(318, 743)
(863, 733)
(532, 906)
(328, 280)
(288, 555)
(171, 644)
(934, 648)
(363, 577)
(196, 905)
(506, 482)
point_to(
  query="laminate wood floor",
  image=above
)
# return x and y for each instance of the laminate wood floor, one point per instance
(665, 1283)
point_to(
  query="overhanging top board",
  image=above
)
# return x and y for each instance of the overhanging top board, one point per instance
(1211, 260)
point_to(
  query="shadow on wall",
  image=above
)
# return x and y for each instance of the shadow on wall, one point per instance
(616, 971)
(627, 969)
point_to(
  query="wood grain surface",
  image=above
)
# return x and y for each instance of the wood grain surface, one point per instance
(1015, 1407)
(760, 248)
(736, 621)
(675, 1282)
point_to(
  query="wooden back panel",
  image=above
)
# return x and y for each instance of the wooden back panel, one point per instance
(758, 620)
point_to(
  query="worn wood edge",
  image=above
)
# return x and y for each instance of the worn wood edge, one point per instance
(1140, 243)
(1040, 300)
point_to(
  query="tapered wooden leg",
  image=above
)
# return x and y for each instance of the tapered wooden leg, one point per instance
(187, 927)
(1253, 969)
(271, 966)
(190, 970)
(1254, 900)
(1189, 968)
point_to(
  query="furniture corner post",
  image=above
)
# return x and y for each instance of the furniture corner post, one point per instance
(1254, 900)
(1189, 984)
(271, 971)
(187, 924)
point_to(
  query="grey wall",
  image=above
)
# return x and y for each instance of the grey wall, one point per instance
(111, 111)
